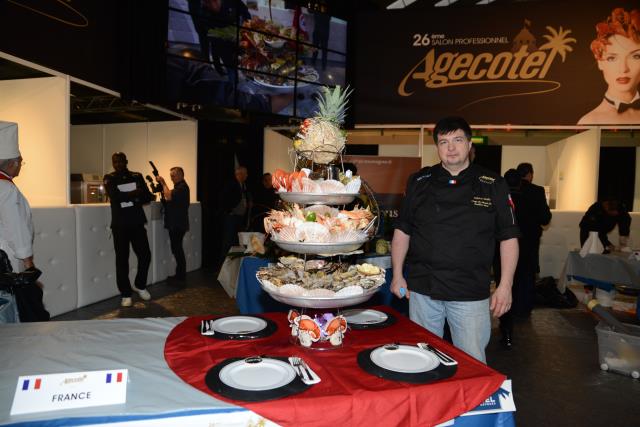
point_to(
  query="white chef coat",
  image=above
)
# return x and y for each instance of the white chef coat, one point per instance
(16, 225)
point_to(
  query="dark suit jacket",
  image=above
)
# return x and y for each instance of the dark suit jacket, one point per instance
(533, 211)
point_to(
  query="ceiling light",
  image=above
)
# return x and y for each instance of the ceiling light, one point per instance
(400, 4)
(443, 3)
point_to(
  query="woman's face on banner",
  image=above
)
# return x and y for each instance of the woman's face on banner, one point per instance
(620, 65)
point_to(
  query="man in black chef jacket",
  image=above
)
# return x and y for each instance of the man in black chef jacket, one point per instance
(450, 219)
(127, 193)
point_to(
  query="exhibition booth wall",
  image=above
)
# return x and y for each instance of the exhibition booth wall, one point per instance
(72, 243)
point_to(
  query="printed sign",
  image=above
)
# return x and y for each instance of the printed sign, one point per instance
(501, 64)
(52, 392)
(500, 401)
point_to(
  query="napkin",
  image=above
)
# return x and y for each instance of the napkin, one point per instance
(592, 245)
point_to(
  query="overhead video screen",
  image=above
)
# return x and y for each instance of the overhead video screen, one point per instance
(251, 55)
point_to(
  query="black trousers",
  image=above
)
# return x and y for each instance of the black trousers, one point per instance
(176, 236)
(137, 237)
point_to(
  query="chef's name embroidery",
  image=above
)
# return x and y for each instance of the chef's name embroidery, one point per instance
(484, 202)
(486, 179)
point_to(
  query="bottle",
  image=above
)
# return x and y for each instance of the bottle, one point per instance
(608, 318)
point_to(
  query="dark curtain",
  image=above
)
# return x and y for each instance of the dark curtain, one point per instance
(141, 42)
(218, 146)
(619, 184)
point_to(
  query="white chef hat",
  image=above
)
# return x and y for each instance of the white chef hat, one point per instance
(9, 140)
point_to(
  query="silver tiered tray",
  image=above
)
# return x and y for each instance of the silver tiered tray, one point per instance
(317, 198)
(319, 248)
(319, 302)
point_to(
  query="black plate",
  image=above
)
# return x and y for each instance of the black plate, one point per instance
(439, 373)
(391, 319)
(212, 380)
(269, 330)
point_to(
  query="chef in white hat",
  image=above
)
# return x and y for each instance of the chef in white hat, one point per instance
(16, 226)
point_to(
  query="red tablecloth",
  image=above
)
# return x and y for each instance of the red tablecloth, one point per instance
(347, 395)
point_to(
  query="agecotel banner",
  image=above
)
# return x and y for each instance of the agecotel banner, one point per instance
(528, 63)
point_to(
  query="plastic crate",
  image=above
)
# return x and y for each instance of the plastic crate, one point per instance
(619, 352)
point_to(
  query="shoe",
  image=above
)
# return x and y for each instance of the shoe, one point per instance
(126, 302)
(144, 294)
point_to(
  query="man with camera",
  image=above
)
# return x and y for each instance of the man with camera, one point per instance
(176, 217)
(127, 193)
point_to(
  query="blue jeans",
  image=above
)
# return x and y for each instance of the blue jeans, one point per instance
(469, 321)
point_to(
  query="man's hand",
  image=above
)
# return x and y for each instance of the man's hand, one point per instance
(161, 180)
(398, 283)
(28, 263)
(501, 300)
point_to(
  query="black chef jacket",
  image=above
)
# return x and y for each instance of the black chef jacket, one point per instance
(453, 223)
(176, 211)
(126, 209)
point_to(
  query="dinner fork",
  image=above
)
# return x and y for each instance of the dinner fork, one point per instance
(206, 327)
(304, 374)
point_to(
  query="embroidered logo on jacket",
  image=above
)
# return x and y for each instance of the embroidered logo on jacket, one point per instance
(484, 202)
(486, 179)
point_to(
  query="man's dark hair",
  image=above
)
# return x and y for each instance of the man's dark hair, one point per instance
(178, 168)
(524, 169)
(513, 178)
(451, 124)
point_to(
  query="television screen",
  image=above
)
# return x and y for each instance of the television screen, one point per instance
(251, 55)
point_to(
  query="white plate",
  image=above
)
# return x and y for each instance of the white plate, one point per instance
(239, 325)
(267, 374)
(319, 248)
(364, 316)
(406, 359)
(317, 198)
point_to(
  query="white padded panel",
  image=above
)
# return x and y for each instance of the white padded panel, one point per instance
(54, 248)
(162, 263)
(96, 257)
(563, 235)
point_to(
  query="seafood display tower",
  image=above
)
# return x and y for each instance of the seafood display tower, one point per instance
(310, 224)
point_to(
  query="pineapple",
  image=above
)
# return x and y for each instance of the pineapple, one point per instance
(320, 138)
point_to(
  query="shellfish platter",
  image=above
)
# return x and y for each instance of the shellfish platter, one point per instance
(320, 283)
(319, 229)
(301, 182)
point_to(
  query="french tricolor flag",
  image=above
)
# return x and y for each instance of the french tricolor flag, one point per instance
(114, 377)
(31, 384)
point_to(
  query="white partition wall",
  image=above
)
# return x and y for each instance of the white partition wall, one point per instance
(167, 144)
(41, 109)
(513, 155)
(276, 151)
(572, 170)
(54, 246)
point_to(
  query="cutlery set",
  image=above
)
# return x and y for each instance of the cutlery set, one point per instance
(445, 359)
(306, 374)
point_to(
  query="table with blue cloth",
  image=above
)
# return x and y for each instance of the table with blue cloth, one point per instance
(251, 299)
(603, 271)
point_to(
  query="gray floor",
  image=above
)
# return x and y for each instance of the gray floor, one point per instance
(553, 365)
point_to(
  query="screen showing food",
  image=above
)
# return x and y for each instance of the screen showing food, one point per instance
(252, 54)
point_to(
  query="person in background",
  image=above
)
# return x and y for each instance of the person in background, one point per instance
(616, 49)
(127, 193)
(176, 217)
(16, 225)
(450, 219)
(265, 199)
(603, 216)
(236, 207)
(533, 215)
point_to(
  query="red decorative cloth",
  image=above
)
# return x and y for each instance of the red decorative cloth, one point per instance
(347, 395)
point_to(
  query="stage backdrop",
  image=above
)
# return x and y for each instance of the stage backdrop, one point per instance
(525, 63)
